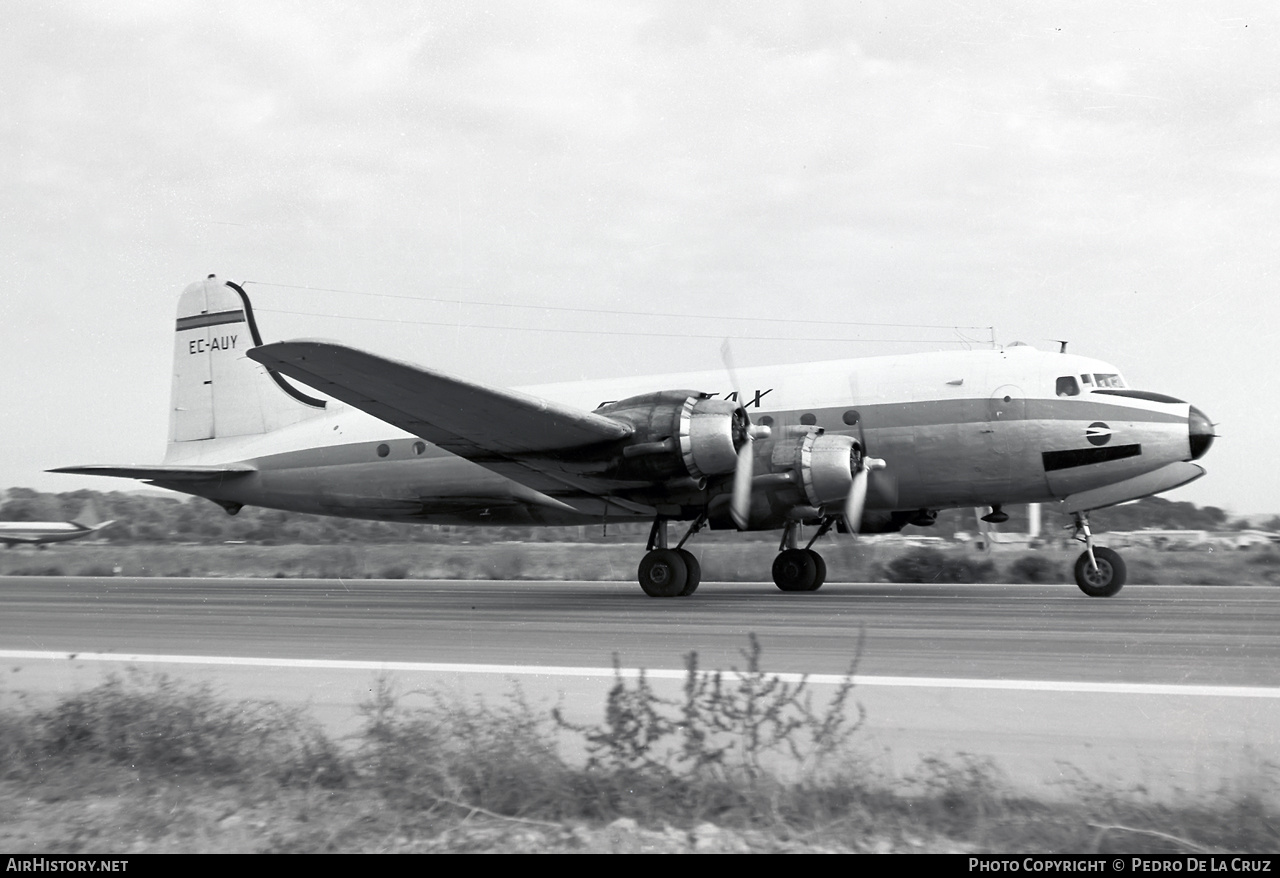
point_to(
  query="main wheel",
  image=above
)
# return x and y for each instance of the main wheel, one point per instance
(694, 572)
(663, 573)
(1107, 579)
(821, 565)
(795, 570)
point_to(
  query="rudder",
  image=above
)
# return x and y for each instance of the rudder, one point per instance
(218, 392)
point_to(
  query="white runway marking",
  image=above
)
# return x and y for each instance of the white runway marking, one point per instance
(653, 674)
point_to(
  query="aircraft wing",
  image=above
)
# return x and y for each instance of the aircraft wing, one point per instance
(514, 434)
(457, 415)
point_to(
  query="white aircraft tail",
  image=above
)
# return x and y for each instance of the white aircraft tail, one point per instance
(218, 392)
(88, 516)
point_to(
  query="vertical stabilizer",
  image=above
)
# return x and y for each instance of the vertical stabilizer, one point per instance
(218, 392)
(88, 516)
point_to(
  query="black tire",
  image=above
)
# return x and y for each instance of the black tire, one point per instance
(663, 573)
(693, 577)
(1109, 577)
(820, 563)
(795, 570)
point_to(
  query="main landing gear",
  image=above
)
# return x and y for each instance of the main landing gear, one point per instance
(667, 573)
(797, 569)
(1100, 572)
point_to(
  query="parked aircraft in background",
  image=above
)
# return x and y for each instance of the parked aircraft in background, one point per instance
(786, 448)
(39, 533)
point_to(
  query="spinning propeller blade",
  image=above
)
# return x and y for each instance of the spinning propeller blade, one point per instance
(740, 502)
(854, 502)
(858, 492)
(857, 499)
(740, 506)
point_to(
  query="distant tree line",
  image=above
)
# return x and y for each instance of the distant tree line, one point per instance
(145, 517)
(1150, 512)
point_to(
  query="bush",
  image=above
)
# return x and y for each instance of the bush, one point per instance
(158, 726)
(1034, 568)
(931, 565)
(725, 728)
(1266, 556)
(468, 755)
(38, 570)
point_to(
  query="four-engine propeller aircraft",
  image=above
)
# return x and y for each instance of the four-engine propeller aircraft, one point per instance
(39, 533)
(789, 447)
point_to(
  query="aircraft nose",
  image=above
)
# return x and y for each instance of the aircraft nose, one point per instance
(1201, 430)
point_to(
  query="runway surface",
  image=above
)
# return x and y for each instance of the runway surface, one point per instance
(1147, 634)
(1190, 694)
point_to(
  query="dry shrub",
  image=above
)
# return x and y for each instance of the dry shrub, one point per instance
(158, 726)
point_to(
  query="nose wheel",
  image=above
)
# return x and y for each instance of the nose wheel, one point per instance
(1103, 579)
(1100, 572)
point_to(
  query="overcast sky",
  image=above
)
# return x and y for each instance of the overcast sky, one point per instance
(1106, 173)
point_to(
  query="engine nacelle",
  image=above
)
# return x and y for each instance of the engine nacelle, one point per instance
(678, 434)
(796, 477)
(826, 465)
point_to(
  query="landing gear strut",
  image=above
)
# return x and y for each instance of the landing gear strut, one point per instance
(797, 569)
(666, 572)
(1100, 572)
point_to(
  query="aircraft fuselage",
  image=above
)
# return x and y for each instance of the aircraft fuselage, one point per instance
(956, 429)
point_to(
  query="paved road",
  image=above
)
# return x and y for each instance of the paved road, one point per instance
(1217, 647)
(1147, 634)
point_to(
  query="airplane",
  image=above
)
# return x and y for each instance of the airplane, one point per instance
(784, 448)
(38, 533)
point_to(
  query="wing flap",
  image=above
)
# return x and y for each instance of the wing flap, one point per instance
(464, 418)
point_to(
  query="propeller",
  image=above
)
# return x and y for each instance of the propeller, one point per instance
(857, 498)
(858, 492)
(740, 501)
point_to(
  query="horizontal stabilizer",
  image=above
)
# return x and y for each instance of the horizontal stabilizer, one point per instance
(160, 473)
(464, 418)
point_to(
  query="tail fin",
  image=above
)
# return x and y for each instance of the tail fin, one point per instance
(88, 516)
(219, 392)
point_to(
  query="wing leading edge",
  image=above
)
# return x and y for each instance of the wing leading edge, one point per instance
(519, 436)
(457, 415)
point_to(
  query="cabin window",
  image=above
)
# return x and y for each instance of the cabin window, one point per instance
(1068, 386)
(851, 417)
(384, 450)
(808, 419)
(419, 447)
(766, 421)
(1111, 380)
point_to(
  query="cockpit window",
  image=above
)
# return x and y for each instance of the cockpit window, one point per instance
(1067, 386)
(1087, 379)
(1111, 380)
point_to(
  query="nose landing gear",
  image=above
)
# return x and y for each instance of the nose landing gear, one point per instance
(1100, 572)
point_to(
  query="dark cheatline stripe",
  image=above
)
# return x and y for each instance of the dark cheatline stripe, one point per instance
(215, 319)
(1055, 460)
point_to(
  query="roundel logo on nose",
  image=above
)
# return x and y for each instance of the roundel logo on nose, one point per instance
(1098, 433)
